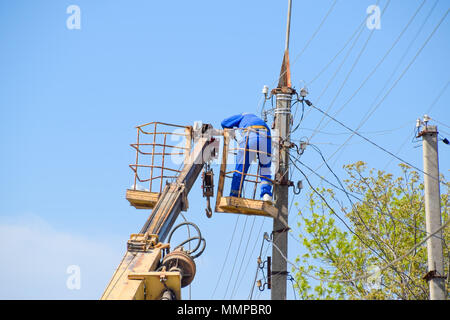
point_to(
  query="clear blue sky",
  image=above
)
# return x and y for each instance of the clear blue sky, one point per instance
(69, 101)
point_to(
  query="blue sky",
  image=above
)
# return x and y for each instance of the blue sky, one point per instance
(70, 99)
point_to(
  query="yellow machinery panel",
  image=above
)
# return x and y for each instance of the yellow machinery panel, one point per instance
(154, 283)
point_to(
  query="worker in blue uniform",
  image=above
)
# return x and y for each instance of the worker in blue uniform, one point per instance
(256, 143)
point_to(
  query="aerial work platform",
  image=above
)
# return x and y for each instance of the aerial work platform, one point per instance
(157, 158)
(142, 199)
(139, 275)
(245, 204)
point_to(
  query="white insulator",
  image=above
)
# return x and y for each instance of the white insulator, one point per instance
(304, 92)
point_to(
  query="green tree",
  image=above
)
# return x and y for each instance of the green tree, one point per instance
(384, 225)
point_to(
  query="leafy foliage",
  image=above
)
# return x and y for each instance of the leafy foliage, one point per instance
(371, 233)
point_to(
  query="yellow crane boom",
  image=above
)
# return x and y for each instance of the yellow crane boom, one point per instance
(148, 270)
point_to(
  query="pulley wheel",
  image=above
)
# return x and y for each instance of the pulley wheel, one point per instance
(180, 260)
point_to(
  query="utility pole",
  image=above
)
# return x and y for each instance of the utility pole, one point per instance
(435, 275)
(282, 125)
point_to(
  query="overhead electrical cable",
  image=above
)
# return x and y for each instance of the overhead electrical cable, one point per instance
(380, 62)
(226, 256)
(367, 275)
(361, 200)
(349, 72)
(371, 142)
(391, 88)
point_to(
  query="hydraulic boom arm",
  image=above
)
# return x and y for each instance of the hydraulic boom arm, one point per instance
(136, 276)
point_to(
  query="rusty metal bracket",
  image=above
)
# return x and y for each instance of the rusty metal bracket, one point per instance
(433, 274)
(281, 230)
(268, 264)
(283, 89)
(282, 181)
(287, 144)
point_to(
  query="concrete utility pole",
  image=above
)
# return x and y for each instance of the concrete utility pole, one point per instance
(282, 124)
(435, 275)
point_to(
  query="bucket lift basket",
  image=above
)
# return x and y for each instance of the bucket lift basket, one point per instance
(243, 204)
(160, 147)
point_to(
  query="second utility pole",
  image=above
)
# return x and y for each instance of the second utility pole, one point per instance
(282, 124)
(435, 275)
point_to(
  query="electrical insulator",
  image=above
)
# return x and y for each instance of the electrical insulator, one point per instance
(304, 92)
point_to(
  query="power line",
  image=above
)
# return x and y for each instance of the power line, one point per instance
(367, 275)
(307, 43)
(339, 52)
(442, 124)
(253, 250)
(410, 64)
(361, 200)
(226, 256)
(338, 216)
(292, 279)
(377, 132)
(334, 174)
(388, 265)
(310, 40)
(235, 258)
(340, 66)
(243, 258)
(392, 87)
(375, 240)
(438, 97)
(379, 62)
(257, 269)
(351, 202)
(350, 71)
(368, 140)
(399, 149)
(366, 117)
(361, 29)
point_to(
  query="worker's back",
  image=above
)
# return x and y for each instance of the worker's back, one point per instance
(244, 120)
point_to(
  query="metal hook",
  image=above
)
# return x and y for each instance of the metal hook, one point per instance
(208, 209)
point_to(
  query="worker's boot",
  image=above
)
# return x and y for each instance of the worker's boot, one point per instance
(267, 197)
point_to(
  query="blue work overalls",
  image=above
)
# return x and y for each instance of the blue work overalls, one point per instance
(256, 142)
